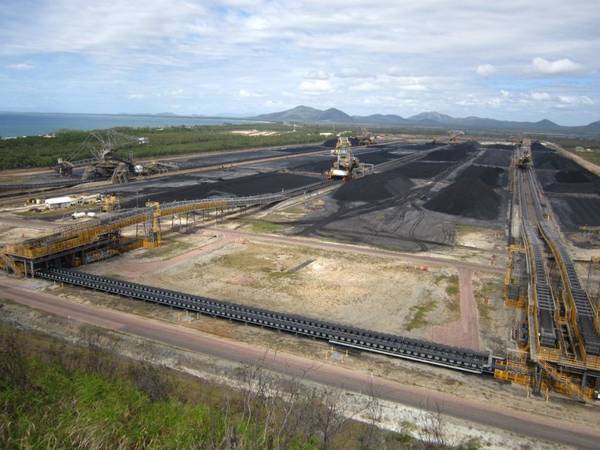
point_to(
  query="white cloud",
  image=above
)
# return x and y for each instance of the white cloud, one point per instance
(352, 72)
(20, 66)
(485, 69)
(365, 87)
(560, 66)
(296, 49)
(540, 96)
(575, 100)
(245, 93)
(413, 87)
(504, 93)
(174, 92)
(316, 75)
(136, 96)
(316, 86)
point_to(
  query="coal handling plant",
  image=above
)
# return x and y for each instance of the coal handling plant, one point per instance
(461, 259)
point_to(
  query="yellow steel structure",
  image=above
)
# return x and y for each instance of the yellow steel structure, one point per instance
(564, 384)
(571, 307)
(76, 237)
(521, 300)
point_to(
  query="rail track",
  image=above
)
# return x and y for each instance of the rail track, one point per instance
(341, 335)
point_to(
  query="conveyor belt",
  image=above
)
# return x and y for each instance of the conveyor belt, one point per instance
(545, 302)
(583, 307)
(371, 341)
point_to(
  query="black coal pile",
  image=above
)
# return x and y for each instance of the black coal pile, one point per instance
(315, 166)
(263, 183)
(301, 149)
(592, 187)
(427, 146)
(492, 176)
(571, 176)
(545, 159)
(584, 211)
(454, 153)
(373, 188)
(423, 170)
(376, 157)
(467, 197)
(500, 146)
(495, 157)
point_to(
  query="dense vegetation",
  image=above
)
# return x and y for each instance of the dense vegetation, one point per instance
(37, 151)
(54, 395)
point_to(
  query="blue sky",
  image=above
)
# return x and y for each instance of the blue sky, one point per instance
(519, 60)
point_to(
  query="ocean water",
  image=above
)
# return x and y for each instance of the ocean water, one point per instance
(33, 124)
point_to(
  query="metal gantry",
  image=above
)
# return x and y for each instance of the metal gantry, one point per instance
(564, 339)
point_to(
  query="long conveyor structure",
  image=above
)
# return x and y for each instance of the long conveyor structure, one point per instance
(341, 335)
(28, 256)
(540, 283)
(564, 333)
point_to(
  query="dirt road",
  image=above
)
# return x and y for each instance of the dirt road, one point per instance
(479, 412)
(463, 332)
(362, 250)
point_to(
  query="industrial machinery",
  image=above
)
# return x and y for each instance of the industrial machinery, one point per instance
(110, 202)
(345, 161)
(346, 166)
(366, 138)
(104, 162)
(559, 331)
(453, 135)
(154, 167)
(524, 160)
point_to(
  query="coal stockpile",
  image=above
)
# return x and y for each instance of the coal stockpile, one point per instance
(314, 166)
(571, 176)
(417, 147)
(574, 212)
(263, 183)
(373, 188)
(573, 182)
(376, 157)
(225, 158)
(562, 175)
(545, 159)
(573, 188)
(454, 153)
(582, 211)
(423, 170)
(468, 197)
(499, 146)
(495, 157)
(301, 149)
(492, 176)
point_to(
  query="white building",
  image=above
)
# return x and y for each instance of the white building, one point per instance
(60, 202)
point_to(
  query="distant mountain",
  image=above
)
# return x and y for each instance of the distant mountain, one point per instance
(307, 114)
(430, 119)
